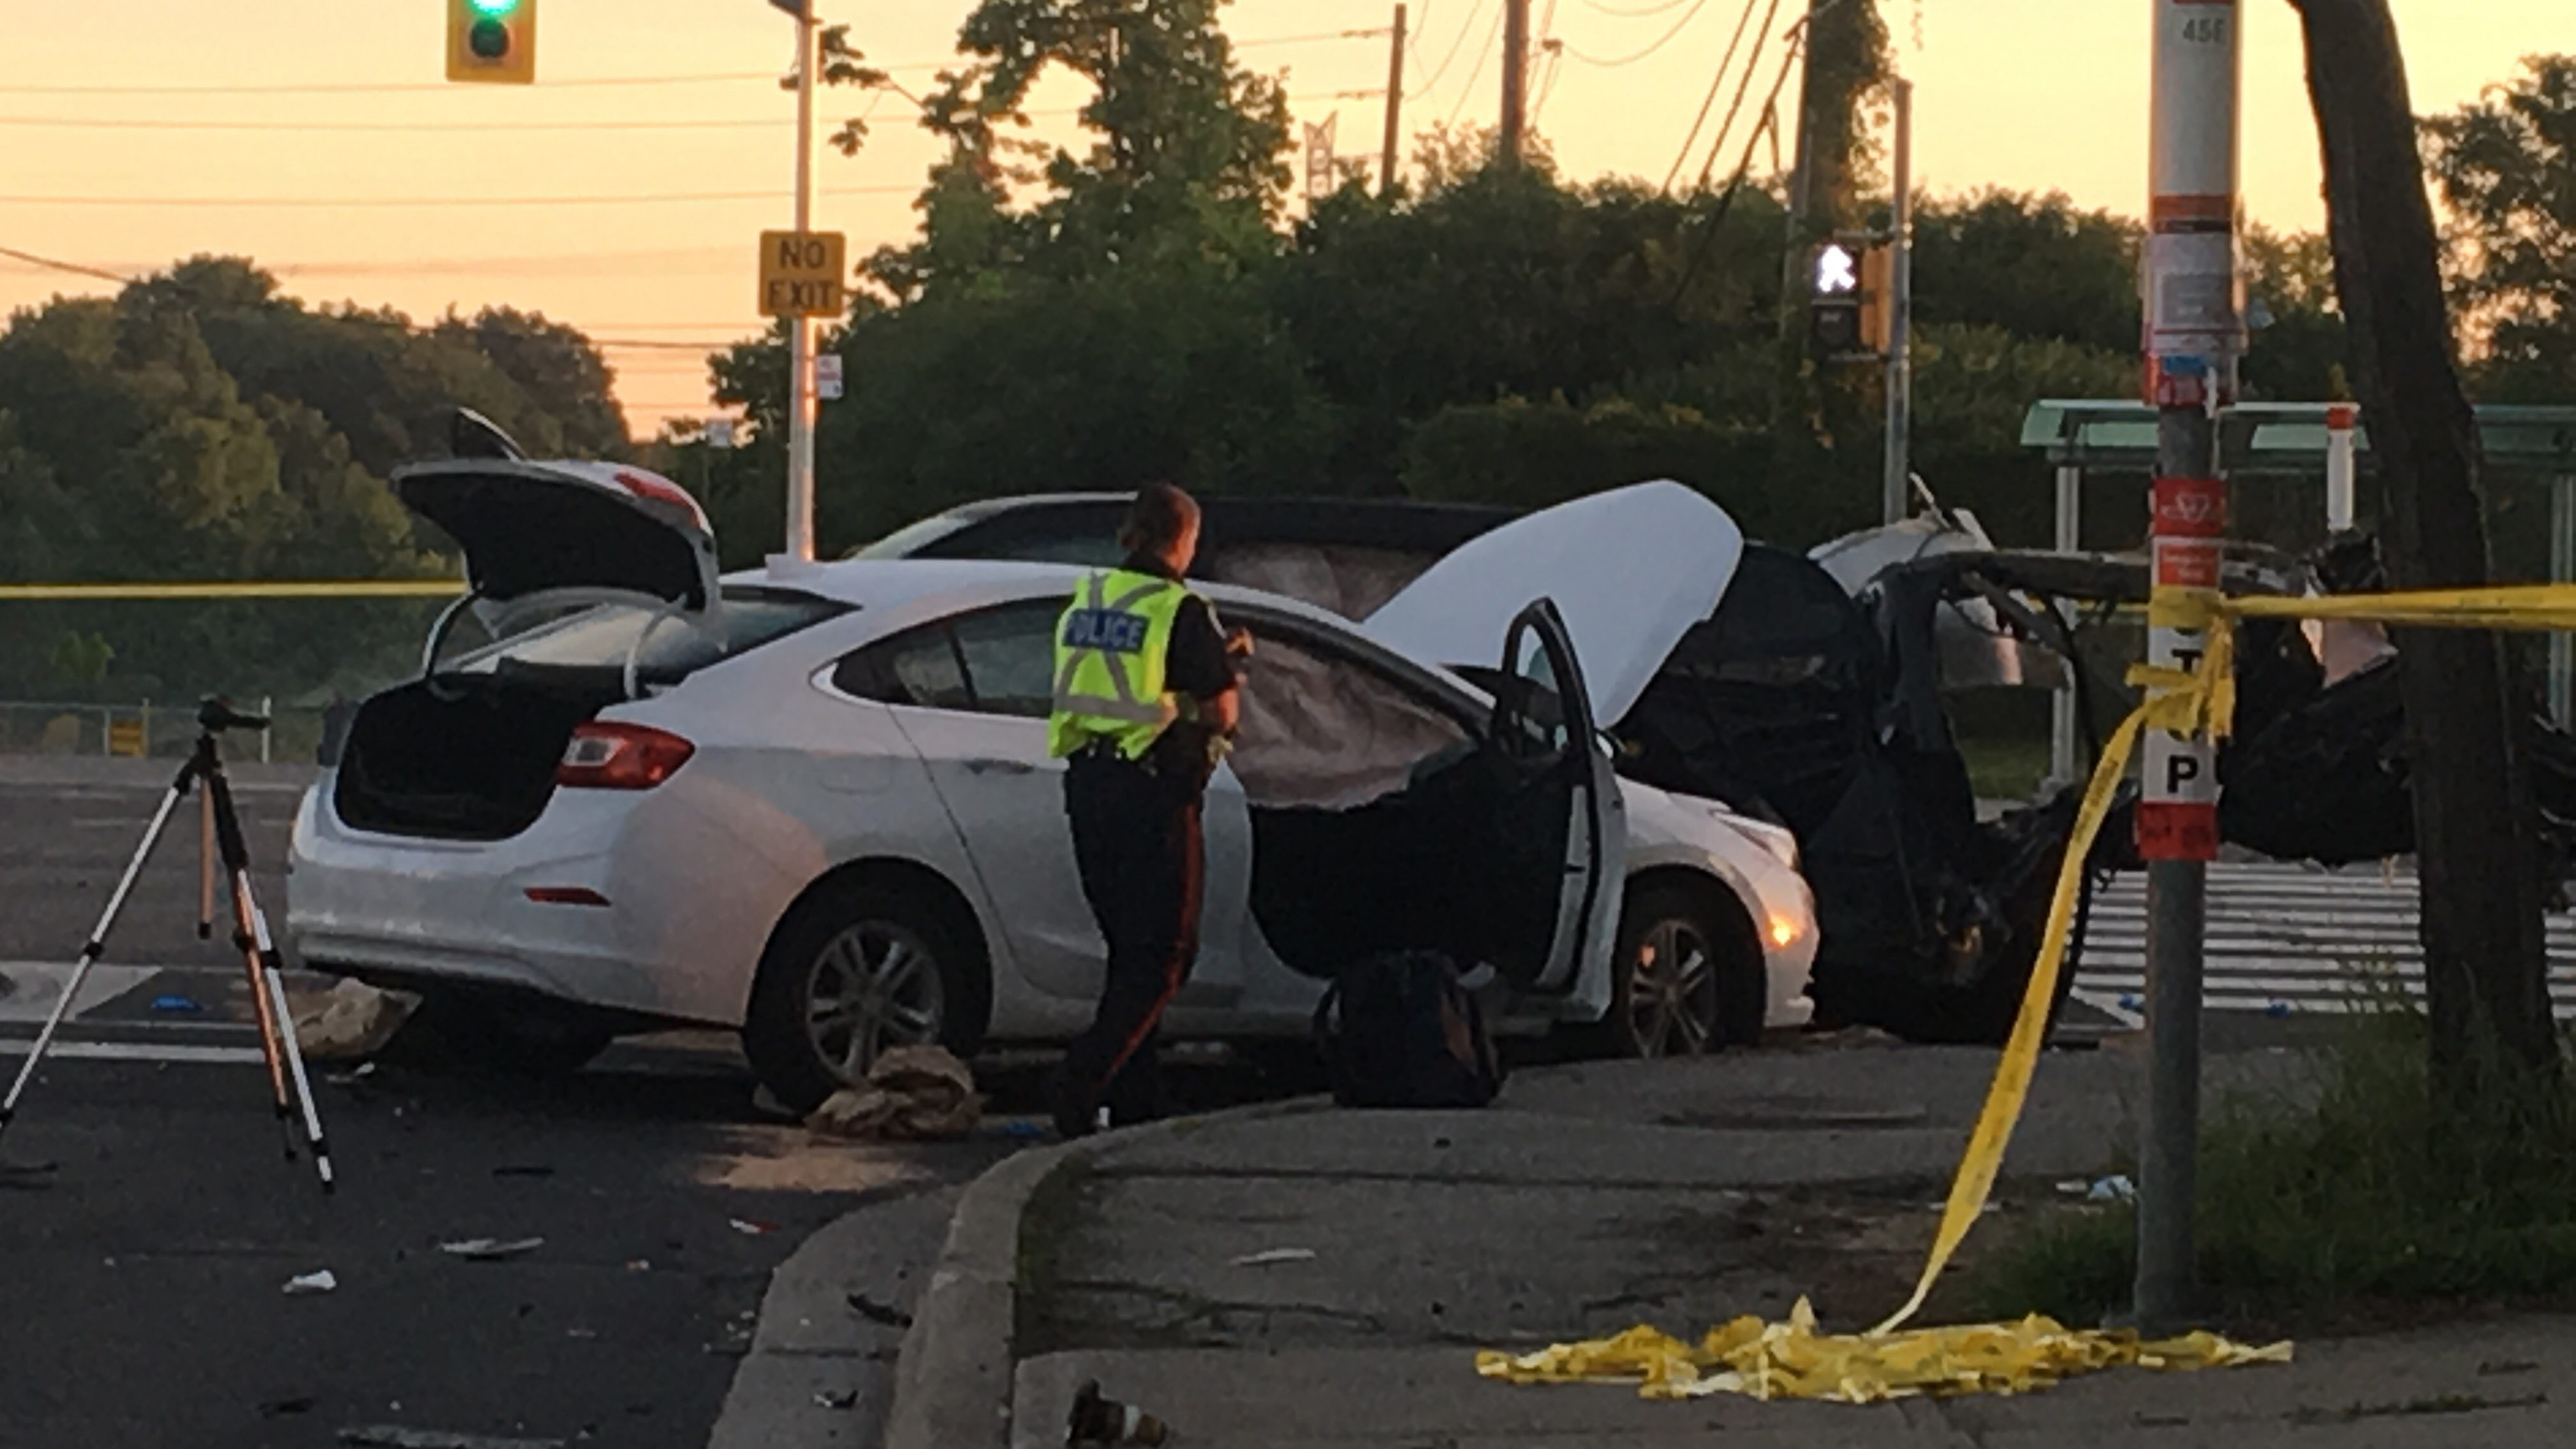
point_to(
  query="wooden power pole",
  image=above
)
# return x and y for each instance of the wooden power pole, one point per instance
(1386, 175)
(1516, 47)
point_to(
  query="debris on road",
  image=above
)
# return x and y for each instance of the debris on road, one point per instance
(837, 1399)
(2115, 1188)
(303, 1284)
(281, 1408)
(484, 1250)
(1098, 1421)
(1275, 1255)
(386, 1436)
(875, 1312)
(913, 1094)
(178, 1006)
(28, 1176)
(350, 1022)
(751, 1229)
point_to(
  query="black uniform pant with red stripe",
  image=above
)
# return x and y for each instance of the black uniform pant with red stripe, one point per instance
(1136, 839)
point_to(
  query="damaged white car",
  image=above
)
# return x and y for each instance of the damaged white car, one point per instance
(814, 802)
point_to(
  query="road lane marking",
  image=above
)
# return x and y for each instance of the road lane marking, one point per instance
(123, 1051)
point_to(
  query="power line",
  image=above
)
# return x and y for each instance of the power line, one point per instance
(1455, 47)
(89, 123)
(605, 344)
(670, 198)
(1647, 12)
(1493, 33)
(1716, 83)
(375, 87)
(1726, 128)
(1669, 36)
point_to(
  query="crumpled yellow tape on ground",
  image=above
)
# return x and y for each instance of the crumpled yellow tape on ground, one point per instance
(1791, 1360)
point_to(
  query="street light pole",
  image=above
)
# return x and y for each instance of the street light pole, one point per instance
(1898, 498)
(801, 401)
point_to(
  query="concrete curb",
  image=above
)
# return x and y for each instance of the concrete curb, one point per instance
(954, 1378)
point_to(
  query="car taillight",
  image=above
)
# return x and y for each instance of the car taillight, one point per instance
(621, 757)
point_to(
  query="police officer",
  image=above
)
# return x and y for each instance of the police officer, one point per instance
(1145, 701)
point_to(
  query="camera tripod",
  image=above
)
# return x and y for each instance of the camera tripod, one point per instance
(219, 839)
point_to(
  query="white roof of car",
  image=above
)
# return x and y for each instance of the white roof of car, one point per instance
(888, 584)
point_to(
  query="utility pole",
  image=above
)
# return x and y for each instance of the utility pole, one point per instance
(1386, 175)
(802, 404)
(1516, 46)
(2195, 335)
(1899, 303)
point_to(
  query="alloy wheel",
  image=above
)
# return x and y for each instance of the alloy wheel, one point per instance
(875, 985)
(1672, 991)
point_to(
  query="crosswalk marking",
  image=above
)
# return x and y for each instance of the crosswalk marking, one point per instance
(2285, 939)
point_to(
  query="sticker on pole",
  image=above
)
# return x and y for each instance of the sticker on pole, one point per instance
(801, 273)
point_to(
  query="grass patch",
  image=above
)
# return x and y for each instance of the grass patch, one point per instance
(2346, 1195)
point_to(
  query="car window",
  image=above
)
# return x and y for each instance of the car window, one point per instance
(1324, 730)
(999, 661)
(674, 646)
(1010, 658)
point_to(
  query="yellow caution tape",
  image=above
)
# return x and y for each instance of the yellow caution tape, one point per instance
(98, 593)
(1792, 1360)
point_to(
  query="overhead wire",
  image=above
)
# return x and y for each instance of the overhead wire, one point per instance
(358, 319)
(1485, 53)
(1716, 84)
(1735, 184)
(1667, 38)
(1752, 64)
(1455, 46)
(1643, 13)
(667, 198)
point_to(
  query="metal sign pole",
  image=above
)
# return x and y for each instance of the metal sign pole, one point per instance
(801, 405)
(2195, 334)
(1898, 499)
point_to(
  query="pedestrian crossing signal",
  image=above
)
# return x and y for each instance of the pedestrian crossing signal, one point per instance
(492, 41)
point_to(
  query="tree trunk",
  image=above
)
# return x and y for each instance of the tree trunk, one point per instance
(2485, 960)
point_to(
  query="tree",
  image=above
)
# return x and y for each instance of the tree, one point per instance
(2486, 968)
(2507, 168)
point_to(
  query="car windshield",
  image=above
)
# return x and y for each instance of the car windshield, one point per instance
(912, 538)
(674, 646)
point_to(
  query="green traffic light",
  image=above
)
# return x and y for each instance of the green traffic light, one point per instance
(495, 8)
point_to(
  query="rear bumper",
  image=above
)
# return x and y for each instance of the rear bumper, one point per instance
(460, 911)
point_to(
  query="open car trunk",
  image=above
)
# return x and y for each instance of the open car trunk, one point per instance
(463, 756)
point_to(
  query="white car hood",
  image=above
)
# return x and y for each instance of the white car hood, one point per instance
(1631, 570)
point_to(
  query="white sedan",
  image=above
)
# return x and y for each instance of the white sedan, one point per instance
(814, 802)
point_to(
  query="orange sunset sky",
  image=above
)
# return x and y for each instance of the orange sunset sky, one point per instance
(317, 137)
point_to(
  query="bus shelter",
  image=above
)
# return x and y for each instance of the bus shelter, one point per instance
(2291, 442)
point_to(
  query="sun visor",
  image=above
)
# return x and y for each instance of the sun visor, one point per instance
(1630, 570)
(568, 529)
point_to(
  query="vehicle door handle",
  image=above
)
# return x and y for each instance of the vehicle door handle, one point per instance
(1000, 767)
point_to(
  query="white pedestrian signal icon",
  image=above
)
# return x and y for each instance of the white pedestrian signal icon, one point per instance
(1837, 272)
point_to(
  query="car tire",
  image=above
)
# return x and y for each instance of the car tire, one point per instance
(898, 970)
(519, 1037)
(1687, 979)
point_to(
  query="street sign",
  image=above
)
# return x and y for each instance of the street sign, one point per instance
(720, 433)
(125, 737)
(827, 376)
(2178, 806)
(801, 274)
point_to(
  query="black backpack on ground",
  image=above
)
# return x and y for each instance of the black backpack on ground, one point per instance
(1400, 1031)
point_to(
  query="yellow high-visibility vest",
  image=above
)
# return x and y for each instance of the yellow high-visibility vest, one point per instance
(1111, 649)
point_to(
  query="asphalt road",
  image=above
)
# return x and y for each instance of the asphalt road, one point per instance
(149, 1224)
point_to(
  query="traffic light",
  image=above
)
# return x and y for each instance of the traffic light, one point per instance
(492, 41)
(1834, 301)
(1878, 299)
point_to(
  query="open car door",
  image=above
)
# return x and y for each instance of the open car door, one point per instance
(1566, 825)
